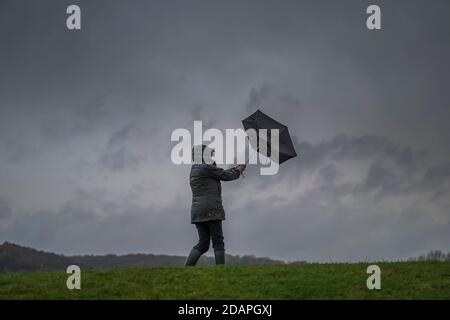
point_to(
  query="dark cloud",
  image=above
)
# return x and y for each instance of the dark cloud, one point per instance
(117, 155)
(328, 173)
(16, 151)
(256, 98)
(118, 159)
(5, 209)
(200, 113)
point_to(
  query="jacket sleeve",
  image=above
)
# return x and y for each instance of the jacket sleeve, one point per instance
(224, 175)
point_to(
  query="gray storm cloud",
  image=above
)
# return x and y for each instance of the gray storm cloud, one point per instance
(86, 119)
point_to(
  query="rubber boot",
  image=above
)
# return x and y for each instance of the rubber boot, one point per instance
(220, 256)
(193, 257)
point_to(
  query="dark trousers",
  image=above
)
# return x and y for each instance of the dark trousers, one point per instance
(207, 231)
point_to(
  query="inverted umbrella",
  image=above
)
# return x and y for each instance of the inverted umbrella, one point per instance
(260, 120)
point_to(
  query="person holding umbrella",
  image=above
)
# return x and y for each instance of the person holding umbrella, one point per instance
(207, 211)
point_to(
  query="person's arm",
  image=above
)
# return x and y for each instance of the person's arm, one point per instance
(225, 175)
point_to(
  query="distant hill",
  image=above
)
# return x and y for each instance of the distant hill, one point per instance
(14, 257)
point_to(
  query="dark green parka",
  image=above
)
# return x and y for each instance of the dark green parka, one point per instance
(207, 191)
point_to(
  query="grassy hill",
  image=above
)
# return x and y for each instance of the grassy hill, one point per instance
(400, 280)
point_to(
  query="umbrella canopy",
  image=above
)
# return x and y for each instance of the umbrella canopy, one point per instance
(260, 120)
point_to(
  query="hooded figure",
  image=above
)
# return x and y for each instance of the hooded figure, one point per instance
(207, 211)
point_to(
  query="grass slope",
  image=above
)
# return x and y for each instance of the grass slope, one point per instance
(402, 280)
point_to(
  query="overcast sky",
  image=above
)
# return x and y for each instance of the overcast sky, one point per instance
(86, 118)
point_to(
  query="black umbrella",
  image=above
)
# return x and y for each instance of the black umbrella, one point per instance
(260, 120)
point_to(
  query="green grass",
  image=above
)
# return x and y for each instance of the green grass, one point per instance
(400, 280)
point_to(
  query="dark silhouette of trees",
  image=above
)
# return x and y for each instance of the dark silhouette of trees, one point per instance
(17, 258)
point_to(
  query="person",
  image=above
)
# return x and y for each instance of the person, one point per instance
(207, 211)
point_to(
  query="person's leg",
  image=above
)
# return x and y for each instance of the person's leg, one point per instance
(202, 246)
(215, 229)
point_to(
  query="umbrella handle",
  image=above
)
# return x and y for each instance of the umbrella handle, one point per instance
(247, 161)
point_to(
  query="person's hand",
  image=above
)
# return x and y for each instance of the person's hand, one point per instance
(241, 167)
